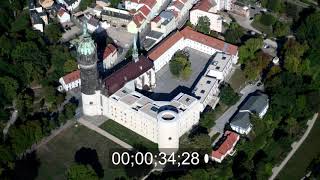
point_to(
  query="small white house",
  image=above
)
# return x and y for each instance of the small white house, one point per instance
(70, 81)
(110, 56)
(63, 16)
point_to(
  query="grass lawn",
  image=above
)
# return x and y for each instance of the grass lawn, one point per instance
(237, 80)
(56, 156)
(296, 166)
(128, 136)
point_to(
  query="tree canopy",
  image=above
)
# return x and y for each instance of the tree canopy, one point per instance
(227, 95)
(248, 50)
(203, 25)
(180, 66)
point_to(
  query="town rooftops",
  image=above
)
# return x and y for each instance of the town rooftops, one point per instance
(110, 49)
(61, 12)
(144, 10)
(165, 44)
(215, 43)
(129, 72)
(149, 3)
(231, 138)
(71, 77)
(255, 103)
(242, 120)
(203, 5)
(70, 2)
(93, 21)
(189, 33)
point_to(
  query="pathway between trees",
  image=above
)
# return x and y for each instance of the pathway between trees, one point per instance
(295, 146)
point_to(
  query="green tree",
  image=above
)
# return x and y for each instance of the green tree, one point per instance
(81, 172)
(267, 19)
(254, 67)
(23, 136)
(6, 46)
(281, 29)
(69, 110)
(248, 50)
(86, 3)
(53, 32)
(275, 5)
(203, 25)
(70, 65)
(22, 22)
(180, 66)
(227, 95)
(9, 87)
(309, 30)
(234, 33)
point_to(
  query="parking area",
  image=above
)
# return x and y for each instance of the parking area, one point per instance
(166, 82)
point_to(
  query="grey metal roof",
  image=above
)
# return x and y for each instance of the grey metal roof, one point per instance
(255, 103)
(241, 119)
(148, 43)
(155, 34)
(167, 15)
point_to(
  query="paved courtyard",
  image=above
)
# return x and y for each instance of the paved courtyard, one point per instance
(167, 83)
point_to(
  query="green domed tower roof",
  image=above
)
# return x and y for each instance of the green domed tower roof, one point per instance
(86, 44)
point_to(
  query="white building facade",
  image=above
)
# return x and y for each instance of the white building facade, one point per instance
(70, 81)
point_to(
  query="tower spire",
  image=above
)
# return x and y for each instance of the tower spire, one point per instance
(135, 53)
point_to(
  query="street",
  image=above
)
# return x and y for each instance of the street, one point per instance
(224, 118)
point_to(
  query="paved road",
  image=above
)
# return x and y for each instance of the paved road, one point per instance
(104, 133)
(295, 146)
(244, 22)
(224, 118)
(13, 119)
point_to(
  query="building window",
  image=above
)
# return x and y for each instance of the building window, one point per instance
(187, 100)
(91, 103)
(202, 91)
(170, 138)
(208, 82)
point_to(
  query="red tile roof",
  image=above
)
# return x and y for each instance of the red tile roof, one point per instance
(156, 19)
(71, 77)
(203, 5)
(110, 49)
(227, 145)
(189, 33)
(138, 19)
(179, 5)
(149, 3)
(145, 10)
(61, 12)
(130, 71)
(215, 43)
(164, 45)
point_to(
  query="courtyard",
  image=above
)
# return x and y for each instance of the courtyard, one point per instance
(167, 83)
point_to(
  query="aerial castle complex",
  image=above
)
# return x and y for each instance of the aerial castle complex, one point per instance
(162, 122)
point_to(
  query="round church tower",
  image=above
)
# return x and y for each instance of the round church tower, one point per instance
(168, 131)
(87, 60)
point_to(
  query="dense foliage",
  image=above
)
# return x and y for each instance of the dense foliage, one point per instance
(30, 65)
(227, 95)
(180, 66)
(203, 25)
(234, 33)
